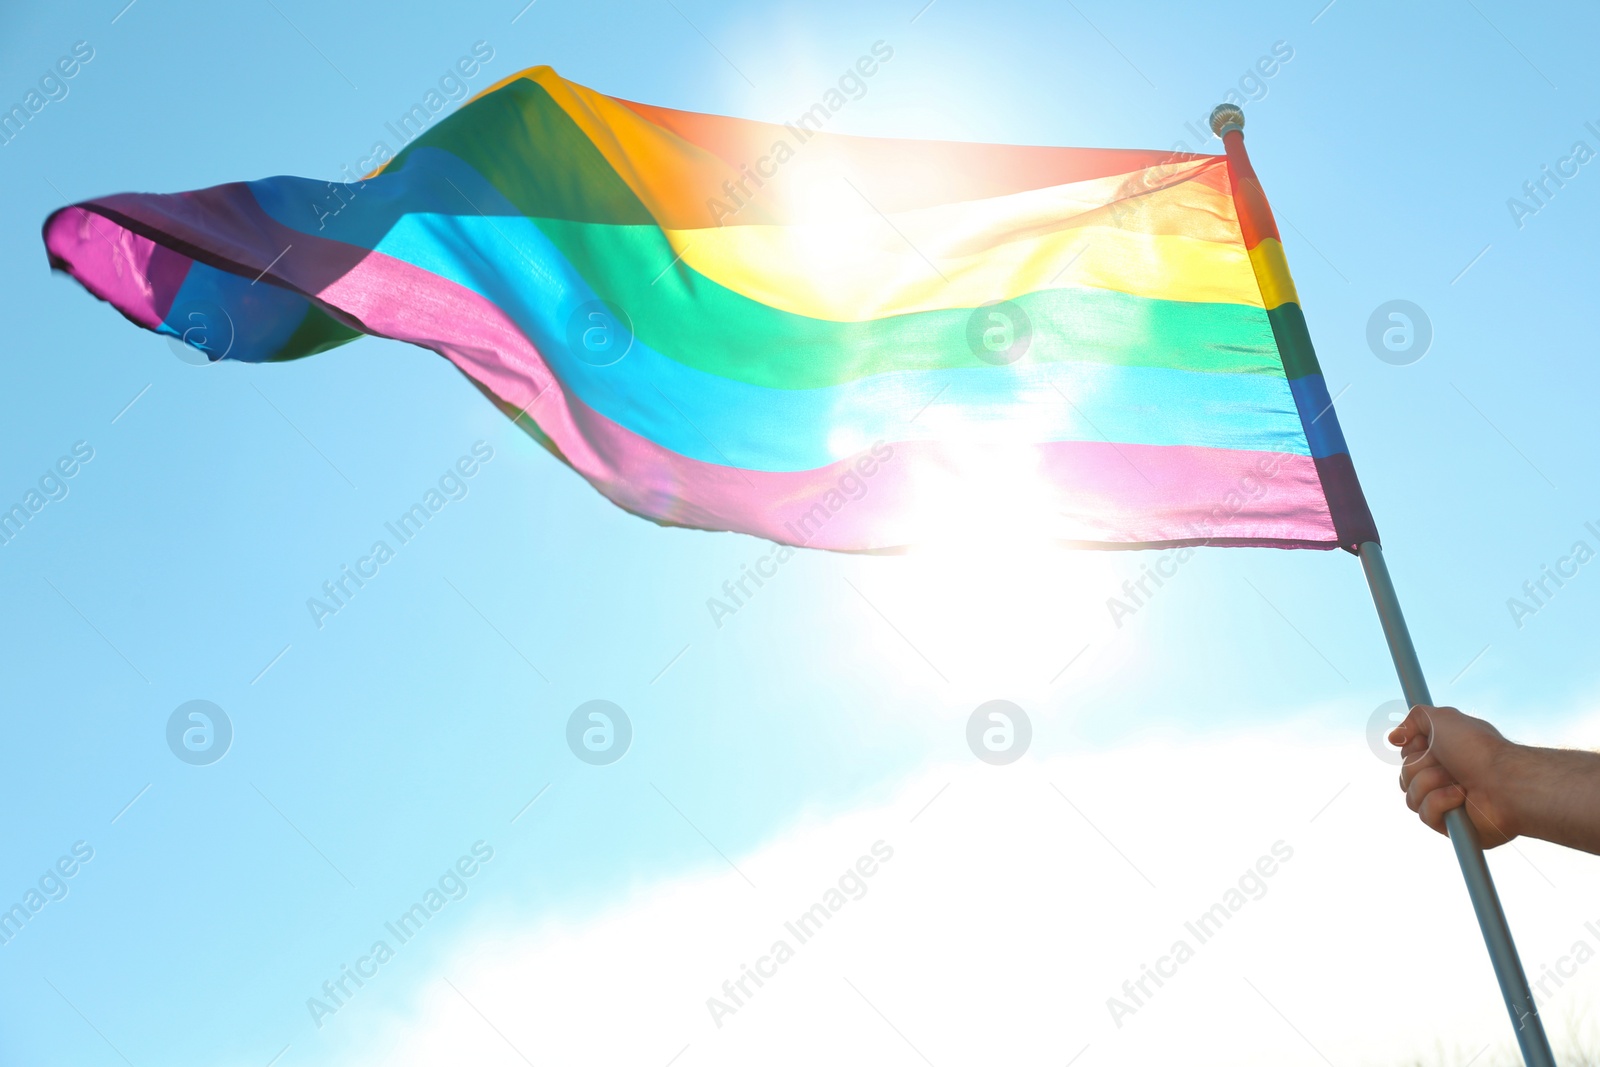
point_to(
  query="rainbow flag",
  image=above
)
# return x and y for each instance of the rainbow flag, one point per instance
(843, 342)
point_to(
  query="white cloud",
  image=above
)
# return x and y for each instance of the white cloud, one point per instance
(1007, 917)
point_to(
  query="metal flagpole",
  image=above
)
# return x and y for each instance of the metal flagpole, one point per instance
(1469, 853)
(1353, 524)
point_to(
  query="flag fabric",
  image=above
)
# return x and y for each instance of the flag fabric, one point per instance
(843, 342)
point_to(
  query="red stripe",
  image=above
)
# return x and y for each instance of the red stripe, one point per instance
(1249, 199)
(903, 175)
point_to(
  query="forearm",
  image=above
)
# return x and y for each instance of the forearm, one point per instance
(1554, 795)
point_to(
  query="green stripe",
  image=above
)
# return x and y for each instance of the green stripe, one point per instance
(697, 322)
(1294, 341)
(317, 332)
(520, 139)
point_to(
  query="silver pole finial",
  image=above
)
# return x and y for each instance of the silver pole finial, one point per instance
(1225, 117)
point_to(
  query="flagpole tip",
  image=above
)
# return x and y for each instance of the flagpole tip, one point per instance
(1226, 117)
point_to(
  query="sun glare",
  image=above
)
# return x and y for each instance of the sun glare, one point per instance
(1009, 615)
(1003, 606)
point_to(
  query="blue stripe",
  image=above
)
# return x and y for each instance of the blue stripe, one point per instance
(226, 316)
(1317, 415)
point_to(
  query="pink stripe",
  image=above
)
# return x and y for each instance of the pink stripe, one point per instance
(1081, 492)
(1086, 493)
(132, 273)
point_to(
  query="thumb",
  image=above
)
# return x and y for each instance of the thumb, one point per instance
(1416, 726)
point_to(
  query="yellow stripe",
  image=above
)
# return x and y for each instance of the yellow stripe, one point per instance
(1272, 274)
(861, 268)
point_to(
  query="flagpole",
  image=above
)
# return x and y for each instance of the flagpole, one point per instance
(1353, 525)
(1356, 531)
(1469, 853)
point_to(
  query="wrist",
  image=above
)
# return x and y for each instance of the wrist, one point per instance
(1515, 778)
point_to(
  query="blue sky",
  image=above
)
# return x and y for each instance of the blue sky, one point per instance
(369, 755)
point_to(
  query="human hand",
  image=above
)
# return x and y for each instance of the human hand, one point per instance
(1451, 759)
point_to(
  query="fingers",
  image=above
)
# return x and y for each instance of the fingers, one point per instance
(1414, 764)
(1424, 781)
(1437, 804)
(1430, 789)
